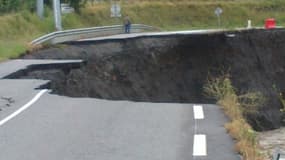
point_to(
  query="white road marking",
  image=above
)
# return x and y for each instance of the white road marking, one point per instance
(199, 145)
(26, 106)
(198, 112)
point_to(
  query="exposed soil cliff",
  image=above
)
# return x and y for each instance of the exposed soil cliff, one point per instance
(173, 68)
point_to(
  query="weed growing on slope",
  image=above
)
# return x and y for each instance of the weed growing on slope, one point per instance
(235, 106)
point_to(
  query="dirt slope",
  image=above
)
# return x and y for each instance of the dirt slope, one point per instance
(174, 68)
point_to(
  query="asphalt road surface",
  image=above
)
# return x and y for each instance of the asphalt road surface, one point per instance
(36, 125)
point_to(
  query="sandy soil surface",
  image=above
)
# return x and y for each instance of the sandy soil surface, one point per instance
(272, 141)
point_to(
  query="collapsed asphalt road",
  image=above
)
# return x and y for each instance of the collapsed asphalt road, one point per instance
(173, 67)
(49, 126)
(169, 70)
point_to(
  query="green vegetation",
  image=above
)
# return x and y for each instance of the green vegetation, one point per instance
(280, 97)
(235, 107)
(22, 25)
(283, 103)
(16, 5)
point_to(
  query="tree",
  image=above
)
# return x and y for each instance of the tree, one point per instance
(15, 5)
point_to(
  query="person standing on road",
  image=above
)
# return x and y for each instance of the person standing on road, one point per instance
(127, 24)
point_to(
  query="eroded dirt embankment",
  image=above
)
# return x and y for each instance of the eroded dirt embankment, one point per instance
(173, 68)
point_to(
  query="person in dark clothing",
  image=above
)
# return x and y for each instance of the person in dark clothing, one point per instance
(127, 24)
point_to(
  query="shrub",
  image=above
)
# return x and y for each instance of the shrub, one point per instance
(219, 87)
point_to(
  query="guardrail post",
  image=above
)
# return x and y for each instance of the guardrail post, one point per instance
(57, 15)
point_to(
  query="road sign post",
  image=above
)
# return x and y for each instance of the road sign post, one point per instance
(218, 13)
(115, 10)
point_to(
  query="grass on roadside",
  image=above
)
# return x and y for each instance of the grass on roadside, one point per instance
(11, 49)
(18, 29)
(235, 107)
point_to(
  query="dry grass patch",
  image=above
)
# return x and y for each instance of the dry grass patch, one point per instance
(231, 106)
(235, 107)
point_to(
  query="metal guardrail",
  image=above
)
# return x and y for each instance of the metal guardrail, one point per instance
(76, 34)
